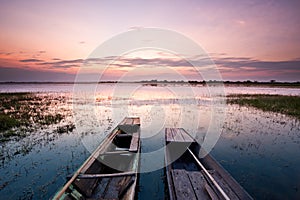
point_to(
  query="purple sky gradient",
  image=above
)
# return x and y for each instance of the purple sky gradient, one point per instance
(47, 40)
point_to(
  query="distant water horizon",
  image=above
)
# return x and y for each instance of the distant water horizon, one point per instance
(198, 89)
(155, 81)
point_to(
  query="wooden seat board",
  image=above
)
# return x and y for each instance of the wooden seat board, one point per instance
(177, 135)
(169, 135)
(134, 144)
(186, 136)
(182, 185)
(136, 121)
(129, 121)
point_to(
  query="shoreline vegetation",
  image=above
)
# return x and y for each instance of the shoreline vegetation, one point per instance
(288, 105)
(248, 83)
(23, 113)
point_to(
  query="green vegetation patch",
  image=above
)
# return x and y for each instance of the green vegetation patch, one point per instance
(289, 105)
(26, 111)
(6, 122)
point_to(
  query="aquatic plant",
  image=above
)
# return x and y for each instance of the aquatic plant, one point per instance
(7, 122)
(289, 105)
(20, 113)
(65, 129)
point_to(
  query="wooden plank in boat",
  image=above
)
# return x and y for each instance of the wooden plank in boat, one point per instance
(114, 187)
(114, 152)
(182, 185)
(101, 188)
(128, 126)
(176, 138)
(93, 176)
(125, 186)
(211, 193)
(169, 135)
(231, 194)
(186, 136)
(198, 182)
(136, 121)
(177, 135)
(87, 186)
(134, 142)
(129, 121)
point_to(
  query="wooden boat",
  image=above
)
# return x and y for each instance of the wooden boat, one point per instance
(191, 177)
(111, 172)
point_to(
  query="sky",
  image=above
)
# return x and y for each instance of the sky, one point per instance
(53, 40)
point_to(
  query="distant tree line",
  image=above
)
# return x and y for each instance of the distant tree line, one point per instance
(192, 82)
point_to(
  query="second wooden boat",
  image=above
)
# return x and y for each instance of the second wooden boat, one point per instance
(191, 177)
(111, 172)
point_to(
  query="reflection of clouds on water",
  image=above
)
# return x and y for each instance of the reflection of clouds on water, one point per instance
(155, 119)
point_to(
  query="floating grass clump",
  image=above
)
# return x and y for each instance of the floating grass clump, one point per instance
(50, 119)
(289, 105)
(66, 128)
(6, 122)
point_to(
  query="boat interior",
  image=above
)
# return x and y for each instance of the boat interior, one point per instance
(112, 172)
(188, 180)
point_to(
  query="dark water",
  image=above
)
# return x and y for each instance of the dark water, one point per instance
(152, 182)
(260, 149)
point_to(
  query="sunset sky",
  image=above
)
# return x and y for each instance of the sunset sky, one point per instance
(247, 40)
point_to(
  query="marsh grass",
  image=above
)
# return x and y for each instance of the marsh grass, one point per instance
(20, 112)
(289, 105)
(6, 122)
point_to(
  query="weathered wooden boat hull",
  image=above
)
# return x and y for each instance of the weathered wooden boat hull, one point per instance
(186, 179)
(111, 172)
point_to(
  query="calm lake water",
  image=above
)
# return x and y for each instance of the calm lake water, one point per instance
(260, 149)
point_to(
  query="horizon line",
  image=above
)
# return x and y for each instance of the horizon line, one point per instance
(152, 81)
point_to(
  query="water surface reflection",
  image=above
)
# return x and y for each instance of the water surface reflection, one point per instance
(260, 149)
